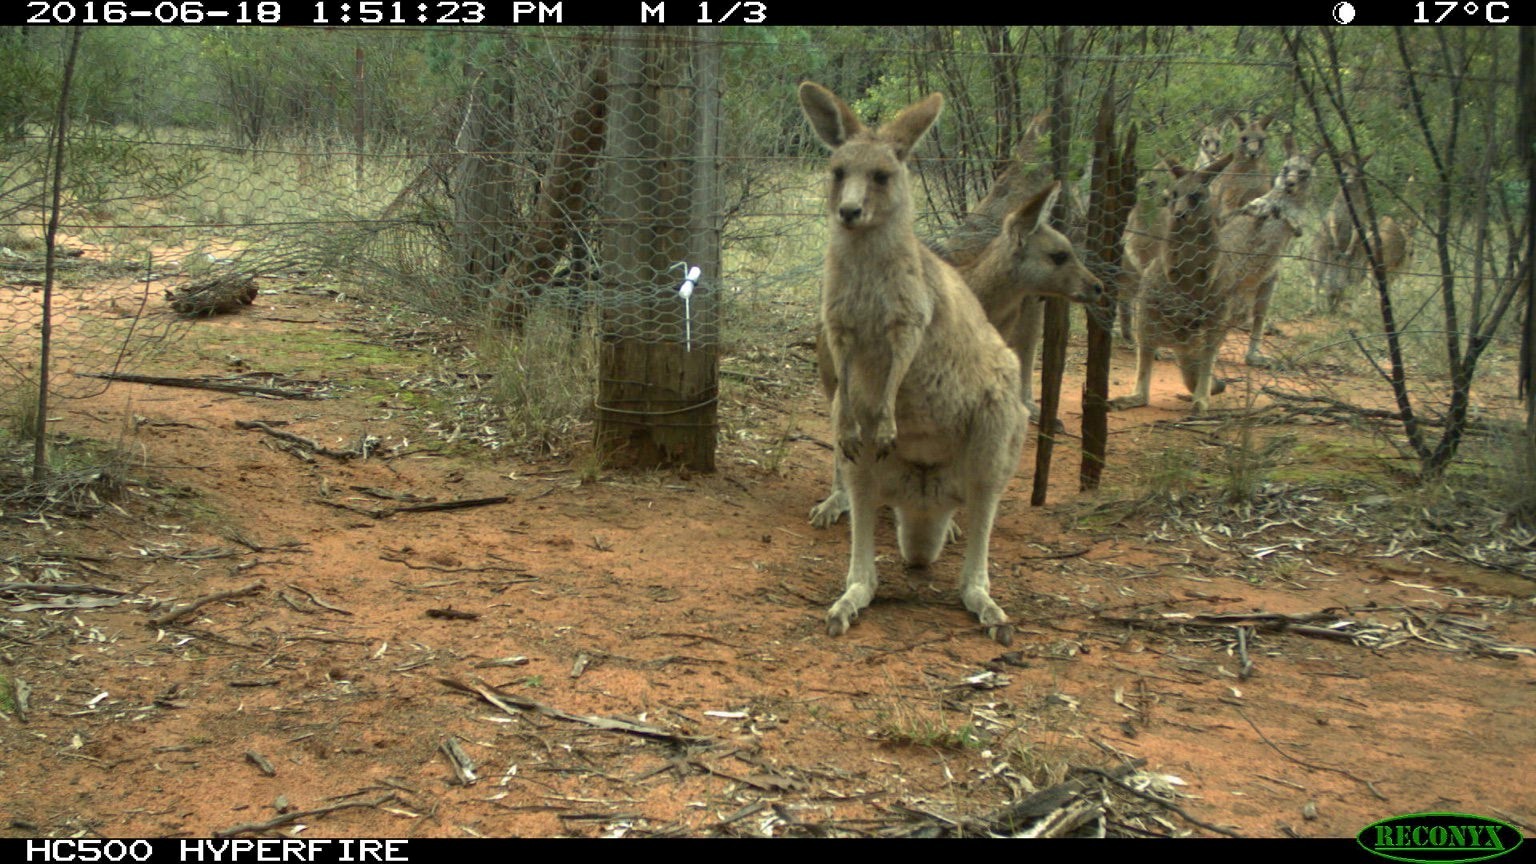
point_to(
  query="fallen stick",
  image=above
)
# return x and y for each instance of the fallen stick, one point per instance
(317, 601)
(225, 386)
(314, 446)
(188, 608)
(1269, 622)
(461, 504)
(59, 588)
(386, 512)
(512, 704)
(1120, 782)
(252, 827)
(1303, 763)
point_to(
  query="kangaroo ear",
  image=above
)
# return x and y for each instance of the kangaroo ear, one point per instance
(1315, 155)
(830, 116)
(1238, 123)
(1290, 144)
(908, 128)
(1264, 123)
(1033, 214)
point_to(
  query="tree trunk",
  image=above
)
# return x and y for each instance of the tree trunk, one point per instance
(1057, 328)
(565, 200)
(485, 187)
(658, 358)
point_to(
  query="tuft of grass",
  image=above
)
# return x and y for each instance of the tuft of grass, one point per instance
(1043, 764)
(17, 241)
(589, 466)
(1498, 471)
(1246, 465)
(1172, 474)
(911, 728)
(543, 382)
(779, 451)
(18, 419)
(907, 724)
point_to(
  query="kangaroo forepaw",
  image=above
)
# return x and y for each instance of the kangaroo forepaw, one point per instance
(850, 446)
(1002, 634)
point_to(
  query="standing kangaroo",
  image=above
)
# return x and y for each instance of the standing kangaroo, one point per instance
(927, 412)
(1255, 235)
(1352, 257)
(1336, 241)
(1248, 175)
(1026, 261)
(1180, 305)
(1140, 244)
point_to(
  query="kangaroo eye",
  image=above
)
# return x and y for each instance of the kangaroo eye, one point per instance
(1194, 197)
(881, 178)
(838, 174)
(1059, 258)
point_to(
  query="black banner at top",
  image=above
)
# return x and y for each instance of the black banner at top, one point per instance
(342, 14)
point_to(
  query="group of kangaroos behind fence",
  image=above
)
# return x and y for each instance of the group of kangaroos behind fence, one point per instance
(927, 349)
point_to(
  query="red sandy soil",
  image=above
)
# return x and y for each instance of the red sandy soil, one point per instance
(693, 603)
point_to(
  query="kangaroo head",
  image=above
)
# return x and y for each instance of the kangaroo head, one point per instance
(1296, 172)
(1352, 170)
(1188, 197)
(1043, 262)
(1210, 143)
(1252, 137)
(869, 184)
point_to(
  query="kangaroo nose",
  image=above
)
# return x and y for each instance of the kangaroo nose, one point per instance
(848, 213)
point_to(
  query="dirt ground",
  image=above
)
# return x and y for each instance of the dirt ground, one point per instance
(661, 640)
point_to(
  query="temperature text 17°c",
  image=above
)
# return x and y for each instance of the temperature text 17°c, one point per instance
(1436, 11)
(710, 12)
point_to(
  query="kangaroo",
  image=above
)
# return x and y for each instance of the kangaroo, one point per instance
(1253, 237)
(1139, 246)
(1396, 244)
(1140, 243)
(1248, 175)
(1026, 261)
(1180, 305)
(927, 413)
(1396, 248)
(1335, 242)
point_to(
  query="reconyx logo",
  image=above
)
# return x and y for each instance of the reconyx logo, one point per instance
(1439, 838)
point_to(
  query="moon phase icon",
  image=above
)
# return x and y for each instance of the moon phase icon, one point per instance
(1343, 12)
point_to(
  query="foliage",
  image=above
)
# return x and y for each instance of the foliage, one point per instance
(1433, 106)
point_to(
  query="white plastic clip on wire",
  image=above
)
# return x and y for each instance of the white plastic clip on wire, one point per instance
(685, 291)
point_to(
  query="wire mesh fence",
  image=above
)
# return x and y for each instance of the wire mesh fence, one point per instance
(555, 186)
